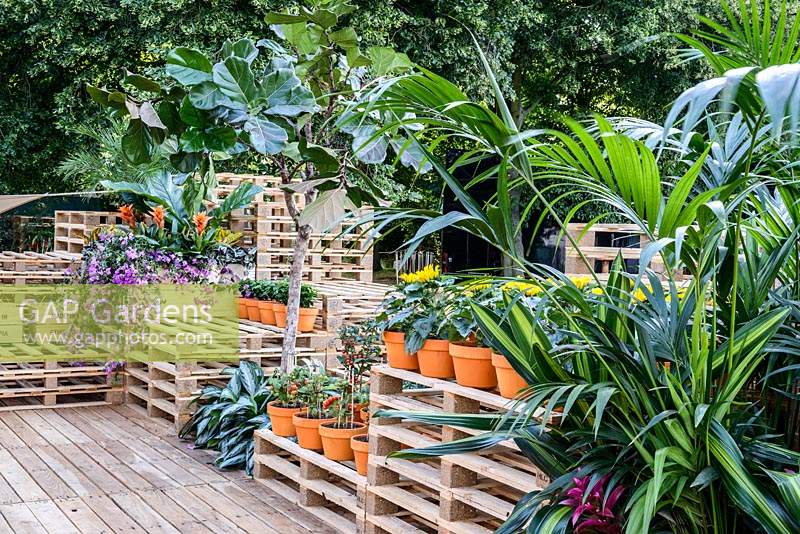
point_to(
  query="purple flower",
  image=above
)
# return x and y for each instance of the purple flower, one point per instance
(590, 513)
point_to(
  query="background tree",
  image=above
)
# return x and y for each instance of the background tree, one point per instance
(555, 57)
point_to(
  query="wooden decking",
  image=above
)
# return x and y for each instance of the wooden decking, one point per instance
(114, 470)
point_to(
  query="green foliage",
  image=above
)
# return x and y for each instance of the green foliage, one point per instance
(285, 386)
(227, 417)
(666, 393)
(187, 222)
(280, 293)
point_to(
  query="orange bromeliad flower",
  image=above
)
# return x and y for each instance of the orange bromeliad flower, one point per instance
(127, 214)
(200, 222)
(158, 216)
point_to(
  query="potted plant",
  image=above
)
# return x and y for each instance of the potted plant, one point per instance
(287, 403)
(360, 350)
(264, 291)
(509, 381)
(472, 359)
(245, 296)
(308, 313)
(427, 329)
(248, 296)
(336, 433)
(394, 320)
(316, 391)
(360, 445)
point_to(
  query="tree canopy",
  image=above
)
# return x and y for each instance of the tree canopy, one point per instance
(553, 56)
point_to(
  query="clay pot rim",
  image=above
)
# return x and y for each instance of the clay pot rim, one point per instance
(358, 437)
(479, 353)
(308, 311)
(275, 404)
(304, 415)
(436, 342)
(355, 425)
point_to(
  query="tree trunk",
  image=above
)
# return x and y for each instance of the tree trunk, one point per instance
(289, 348)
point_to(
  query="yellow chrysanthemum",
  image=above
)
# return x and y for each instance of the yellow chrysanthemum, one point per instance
(427, 274)
(526, 288)
(597, 291)
(581, 281)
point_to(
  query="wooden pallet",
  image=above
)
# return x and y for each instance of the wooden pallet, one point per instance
(35, 267)
(332, 491)
(602, 243)
(346, 301)
(33, 377)
(464, 493)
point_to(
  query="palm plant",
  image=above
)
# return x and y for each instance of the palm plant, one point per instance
(664, 387)
(228, 416)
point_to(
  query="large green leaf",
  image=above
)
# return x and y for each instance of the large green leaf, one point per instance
(188, 66)
(206, 95)
(234, 77)
(329, 206)
(386, 61)
(265, 136)
(137, 143)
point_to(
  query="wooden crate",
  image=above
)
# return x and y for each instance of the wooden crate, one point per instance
(464, 493)
(332, 491)
(35, 267)
(32, 377)
(602, 243)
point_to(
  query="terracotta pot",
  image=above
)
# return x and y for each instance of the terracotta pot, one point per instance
(308, 316)
(265, 311)
(356, 410)
(243, 308)
(363, 414)
(396, 351)
(308, 430)
(434, 359)
(252, 309)
(473, 366)
(280, 314)
(360, 446)
(282, 418)
(336, 441)
(509, 382)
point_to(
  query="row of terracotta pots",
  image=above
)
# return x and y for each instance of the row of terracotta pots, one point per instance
(471, 366)
(326, 434)
(273, 313)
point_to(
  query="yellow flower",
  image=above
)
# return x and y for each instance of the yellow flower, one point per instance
(427, 274)
(527, 288)
(597, 291)
(581, 281)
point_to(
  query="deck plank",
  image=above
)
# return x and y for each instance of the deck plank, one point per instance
(113, 470)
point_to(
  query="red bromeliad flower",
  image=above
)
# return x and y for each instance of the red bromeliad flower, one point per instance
(158, 216)
(128, 215)
(200, 222)
(590, 513)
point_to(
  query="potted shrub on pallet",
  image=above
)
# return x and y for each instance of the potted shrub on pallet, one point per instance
(316, 391)
(360, 351)
(287, 402)
(336, 434)
(308, 313)
(265, 292)
(427, 335)
(472, 359)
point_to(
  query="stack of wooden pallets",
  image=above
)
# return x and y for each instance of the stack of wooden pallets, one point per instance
(72, 228)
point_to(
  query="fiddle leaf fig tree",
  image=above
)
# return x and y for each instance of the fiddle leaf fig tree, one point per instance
(282, 98)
